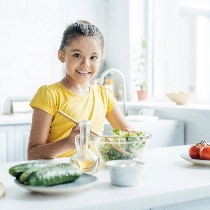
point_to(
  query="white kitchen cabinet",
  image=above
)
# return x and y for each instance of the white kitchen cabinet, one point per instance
(14, 142)
(6, 143)
(22, 133)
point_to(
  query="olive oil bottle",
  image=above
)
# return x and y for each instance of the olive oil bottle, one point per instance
(85, 159)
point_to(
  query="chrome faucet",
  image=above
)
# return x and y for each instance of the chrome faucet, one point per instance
(108, 71)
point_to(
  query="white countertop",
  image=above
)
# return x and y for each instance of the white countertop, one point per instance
(167, 105)
(25, 118)
(19, 118)
(168, 179)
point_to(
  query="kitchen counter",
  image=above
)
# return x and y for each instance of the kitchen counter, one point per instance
(165, 133)
(167, 105)
(18, 118)
(169, 181)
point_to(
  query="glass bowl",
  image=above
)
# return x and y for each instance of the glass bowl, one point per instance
(111, 147)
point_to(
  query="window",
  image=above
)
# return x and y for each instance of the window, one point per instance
(181, 47)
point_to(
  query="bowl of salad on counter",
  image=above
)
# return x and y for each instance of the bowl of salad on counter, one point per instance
(120, 145)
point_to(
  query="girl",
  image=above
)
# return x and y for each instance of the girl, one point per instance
(52, 135)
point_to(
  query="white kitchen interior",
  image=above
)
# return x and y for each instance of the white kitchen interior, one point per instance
(29, 46)
(177, 33)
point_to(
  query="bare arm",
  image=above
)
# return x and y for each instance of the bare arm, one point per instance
(38, 148)
(118, 120)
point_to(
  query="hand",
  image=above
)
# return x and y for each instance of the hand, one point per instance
(129, 130)
(75, 131)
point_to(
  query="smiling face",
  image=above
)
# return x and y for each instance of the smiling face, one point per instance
(82, 59)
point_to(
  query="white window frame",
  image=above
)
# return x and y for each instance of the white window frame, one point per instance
(193, 13)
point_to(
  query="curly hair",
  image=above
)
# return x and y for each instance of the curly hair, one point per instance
(78, 29)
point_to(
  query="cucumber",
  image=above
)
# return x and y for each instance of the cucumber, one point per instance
(17, 170)
(24, 176)
(53, 175)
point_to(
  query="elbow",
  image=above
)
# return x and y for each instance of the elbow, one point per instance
(33, 154)
(30, 155)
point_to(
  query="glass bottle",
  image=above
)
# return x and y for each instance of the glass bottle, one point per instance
(85, 159)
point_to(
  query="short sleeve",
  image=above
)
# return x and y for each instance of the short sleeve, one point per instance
(108, 99)
(44, 99)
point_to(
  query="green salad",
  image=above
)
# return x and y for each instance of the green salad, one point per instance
(133, 143)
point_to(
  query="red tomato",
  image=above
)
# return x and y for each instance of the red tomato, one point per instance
(202, 144)
(194, 152)
(205, 153)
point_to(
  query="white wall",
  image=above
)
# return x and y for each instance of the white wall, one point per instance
(30, 36)
(117, 51)
(165, 46)
(125, 29)
(32, 31)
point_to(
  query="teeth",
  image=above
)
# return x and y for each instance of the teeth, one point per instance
(83, 72)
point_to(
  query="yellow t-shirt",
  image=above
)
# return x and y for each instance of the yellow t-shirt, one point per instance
(93, 107)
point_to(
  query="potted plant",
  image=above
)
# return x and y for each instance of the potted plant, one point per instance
(140, 79)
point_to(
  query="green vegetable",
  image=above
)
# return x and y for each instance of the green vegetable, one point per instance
(133, 143)
(24, 176)
(17, 170)
(51, 175)
(121, 133)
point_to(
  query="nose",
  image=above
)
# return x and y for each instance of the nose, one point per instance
(85, 63)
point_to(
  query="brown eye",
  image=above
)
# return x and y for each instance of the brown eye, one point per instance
(94, 57)
(76, 55)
